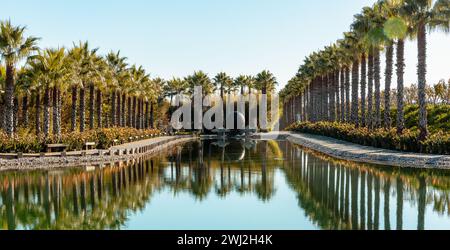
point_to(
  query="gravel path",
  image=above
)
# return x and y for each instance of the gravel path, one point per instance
(358, 153)
(151, 146)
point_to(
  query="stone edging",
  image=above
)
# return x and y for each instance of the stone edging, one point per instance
(74, 161)
(358, 153)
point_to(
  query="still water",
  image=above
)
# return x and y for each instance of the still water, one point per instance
(232, 185)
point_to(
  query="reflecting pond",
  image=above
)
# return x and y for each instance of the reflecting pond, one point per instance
(227, 185)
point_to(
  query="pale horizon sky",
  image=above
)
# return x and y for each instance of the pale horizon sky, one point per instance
(176, 37)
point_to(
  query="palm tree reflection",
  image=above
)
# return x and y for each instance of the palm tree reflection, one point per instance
(333, 194)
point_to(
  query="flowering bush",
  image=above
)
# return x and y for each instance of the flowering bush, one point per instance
(104, 138)
(436, 143)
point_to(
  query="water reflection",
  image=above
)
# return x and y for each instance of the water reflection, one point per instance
(333, 194)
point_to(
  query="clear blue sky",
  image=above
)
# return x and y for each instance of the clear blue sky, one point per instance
(175, 37)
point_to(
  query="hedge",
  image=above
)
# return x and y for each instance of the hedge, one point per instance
(104, 138)
(436, 143)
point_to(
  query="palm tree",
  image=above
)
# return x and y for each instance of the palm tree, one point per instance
(14, 46)
(95, 81)
(221, 80)
(24, 84)
(173, 87)
(354, 47)
(138, 78)
(362, 26)
(396, 28)
(265, 82)
(83, 61)
(240, 82)
(103, 83)
(199, 78)
(117, 65)
(423, 14)
(156, 95)
(49, 65)
(387, 11)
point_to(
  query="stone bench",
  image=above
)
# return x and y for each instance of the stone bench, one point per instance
(60, 147)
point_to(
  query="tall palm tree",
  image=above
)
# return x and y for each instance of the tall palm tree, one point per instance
(220, 81)
(156, 95)
(138, 77)
(14, 46)
(240, 82)
(2, 91)
(50, 63)
(199, 78)
(84, 62)
(354, 48)
(397, 28)
(422, 14)
(117, 65)
(362, 26)
(24, 84)
(175, 86)
(265, 81)
(386, 7)
(103, 82)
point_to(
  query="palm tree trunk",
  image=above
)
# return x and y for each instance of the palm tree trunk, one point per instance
(318, 98)
(363, 89)
(9, 100)
(123, 121)
(347, 94)
(129, 115)
(299, 108)
(421, 73)
(342, 92)
(59, 113)
(146, 115)
(376, 71)
(82, 108)
(25, 118)
(315, 104)
(73, 117)
(400, 73)
(370, 90)
(138, 122)
(332, 97)
(118, 115)
(16, 113)
(91, 105)
(327, 97)
(38, 114)
(99, 108)
(2, 113)
(142, 113)
(46, 112)
(387, 88)
(355, 83)
(133, 113)
(337, 100)
(56, 127)
(139, 100)
(113, 108)
(294, 107)
(325, 91)
(151, 114)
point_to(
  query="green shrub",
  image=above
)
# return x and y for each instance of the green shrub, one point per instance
(437, 143)
(104, 138)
